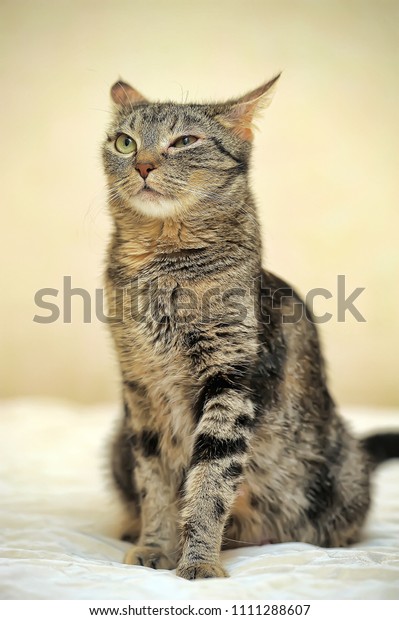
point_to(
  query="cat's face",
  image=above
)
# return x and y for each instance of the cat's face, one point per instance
(165, 159)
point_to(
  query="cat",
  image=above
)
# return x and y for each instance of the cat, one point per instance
(229, 435)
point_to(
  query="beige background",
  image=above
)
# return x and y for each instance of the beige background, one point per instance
(325, 165)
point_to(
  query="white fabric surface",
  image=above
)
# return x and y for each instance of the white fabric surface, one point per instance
(59, 522)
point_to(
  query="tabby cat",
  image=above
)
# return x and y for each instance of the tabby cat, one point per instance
(229, 434)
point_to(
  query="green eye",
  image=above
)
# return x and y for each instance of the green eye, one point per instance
(184, 141)
(125, 144)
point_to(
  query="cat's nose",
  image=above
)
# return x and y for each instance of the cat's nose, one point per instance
(145, 169)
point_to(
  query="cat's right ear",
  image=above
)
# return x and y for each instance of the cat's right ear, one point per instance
(123, 95)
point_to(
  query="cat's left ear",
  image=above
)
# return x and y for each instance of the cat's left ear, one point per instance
(239, 114)
(124, 95)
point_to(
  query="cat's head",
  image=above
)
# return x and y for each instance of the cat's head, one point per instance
(164, 159)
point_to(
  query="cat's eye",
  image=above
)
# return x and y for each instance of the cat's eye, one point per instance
(184, 141)
(125, 144)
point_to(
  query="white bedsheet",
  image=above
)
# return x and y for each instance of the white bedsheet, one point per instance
(59, 523)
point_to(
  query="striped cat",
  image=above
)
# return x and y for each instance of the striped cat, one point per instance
(229, 434)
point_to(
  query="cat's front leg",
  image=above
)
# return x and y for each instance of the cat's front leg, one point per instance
(156, 546)
(220, 452)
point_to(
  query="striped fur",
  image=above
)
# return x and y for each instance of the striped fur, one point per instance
(229, 435)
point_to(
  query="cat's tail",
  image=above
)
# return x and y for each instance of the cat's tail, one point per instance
(381, 447)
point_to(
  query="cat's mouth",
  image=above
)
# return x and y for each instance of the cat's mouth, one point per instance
(146, 190)
(153, 203)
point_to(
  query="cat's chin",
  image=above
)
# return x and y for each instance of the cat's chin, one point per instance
(154, 205)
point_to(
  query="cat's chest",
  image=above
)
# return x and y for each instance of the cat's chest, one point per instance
(162, 304)
(152, 336)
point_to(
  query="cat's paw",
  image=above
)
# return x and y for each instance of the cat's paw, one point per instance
(153, 557)
(200, 571)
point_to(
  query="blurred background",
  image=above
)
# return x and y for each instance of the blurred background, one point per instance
(325, 166)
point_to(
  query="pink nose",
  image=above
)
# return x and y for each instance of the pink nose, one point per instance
(144, 169)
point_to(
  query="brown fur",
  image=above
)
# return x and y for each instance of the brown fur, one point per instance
(229, 435)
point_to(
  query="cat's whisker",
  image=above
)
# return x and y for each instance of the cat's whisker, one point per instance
(219, 196)
(99, 110)
(242, 542)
